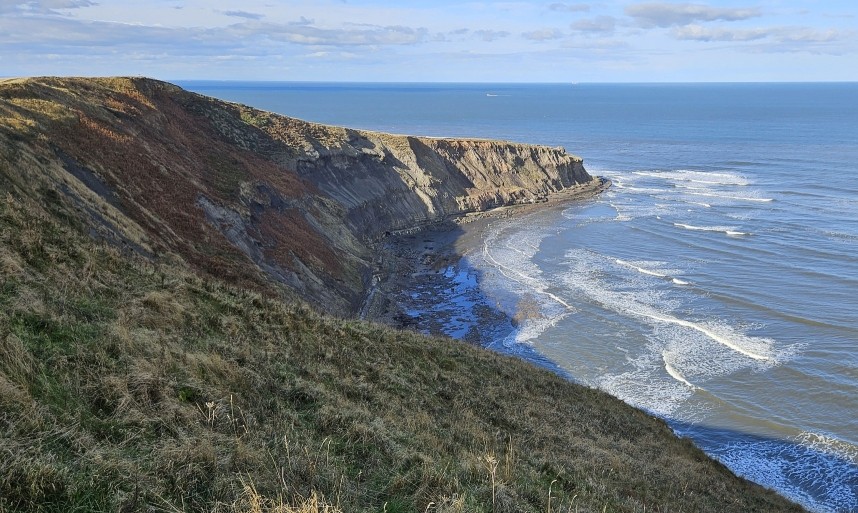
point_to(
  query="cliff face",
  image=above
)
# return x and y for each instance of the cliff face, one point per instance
(406, 181)
(389, 182)
(247, 195)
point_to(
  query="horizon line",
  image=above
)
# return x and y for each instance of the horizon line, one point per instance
(438, 82)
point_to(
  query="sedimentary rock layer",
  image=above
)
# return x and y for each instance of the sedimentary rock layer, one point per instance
(247, 195)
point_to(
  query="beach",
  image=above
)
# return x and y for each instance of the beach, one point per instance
(415, 269)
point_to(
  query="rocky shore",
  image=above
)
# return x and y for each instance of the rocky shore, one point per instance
(415, 267)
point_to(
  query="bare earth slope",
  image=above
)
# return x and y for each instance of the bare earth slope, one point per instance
(144, 365)
(247, 195)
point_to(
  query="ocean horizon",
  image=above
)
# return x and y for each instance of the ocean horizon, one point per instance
(714, 285)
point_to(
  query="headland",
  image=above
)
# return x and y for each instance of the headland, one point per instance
(179, 283)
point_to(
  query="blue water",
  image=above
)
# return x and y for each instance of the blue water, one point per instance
(715, 284)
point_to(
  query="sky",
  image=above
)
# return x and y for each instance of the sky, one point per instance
(433, 41)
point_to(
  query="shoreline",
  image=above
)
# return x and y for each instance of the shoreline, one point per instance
(425, 258)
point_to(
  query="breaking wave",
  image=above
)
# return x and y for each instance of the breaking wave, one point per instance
(701, 177)
(729, 230)
(816, 470)
(671, 370)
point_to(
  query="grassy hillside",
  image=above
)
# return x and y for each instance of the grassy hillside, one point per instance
(131, 381)
(137, 386)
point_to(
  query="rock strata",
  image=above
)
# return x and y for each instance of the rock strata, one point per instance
(246, 195)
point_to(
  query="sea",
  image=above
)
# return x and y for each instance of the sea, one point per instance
(715, 284)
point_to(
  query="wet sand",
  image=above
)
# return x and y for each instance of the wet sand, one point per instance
(414, 270)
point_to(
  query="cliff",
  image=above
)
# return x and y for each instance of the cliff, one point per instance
(148, 361)
(251, 196)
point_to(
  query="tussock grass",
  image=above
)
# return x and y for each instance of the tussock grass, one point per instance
(133, 385)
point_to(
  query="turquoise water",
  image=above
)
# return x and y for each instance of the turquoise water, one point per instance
(715, 284)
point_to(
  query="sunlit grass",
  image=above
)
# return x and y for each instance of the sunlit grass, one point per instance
(129, 384)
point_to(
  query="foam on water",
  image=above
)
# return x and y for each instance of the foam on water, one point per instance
(641, 269)
(535, 284)
(724, 229)
(729, 230)
(728, 196)
(680, 372)
(681, 350)
(512, 259)
(530, 329)
(816, 470)
(719, 333)
(675, 374)
(643, 190)
(657, 272)
(701, 177)
(607, 214)
(683, 185)
(686, 348)
(629, 207)
(673, 188)
(637, 388)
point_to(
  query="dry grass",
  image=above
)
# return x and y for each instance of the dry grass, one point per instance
(133, 385)
(251, 501)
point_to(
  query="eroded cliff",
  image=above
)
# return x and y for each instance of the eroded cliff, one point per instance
(246, 195)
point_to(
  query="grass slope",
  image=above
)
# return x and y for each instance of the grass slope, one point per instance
(132, 386)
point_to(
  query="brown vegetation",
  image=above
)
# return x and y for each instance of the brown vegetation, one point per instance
(136, 382)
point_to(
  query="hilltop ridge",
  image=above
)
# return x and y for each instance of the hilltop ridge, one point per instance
(251, 196)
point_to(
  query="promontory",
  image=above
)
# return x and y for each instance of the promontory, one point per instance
(179, 283)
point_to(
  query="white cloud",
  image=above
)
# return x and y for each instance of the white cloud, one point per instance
(599, 24)
(777, 34)
(42, 6)
(569, 7)
(772, 39)
(244, 14)
(542, 35)
(325, 39)
(451, 35)
(661, 14)
(491, 35)
(303, 33)
(700, 33)
(65, 35)
(55, 4)
(332, 56)
(808, 35)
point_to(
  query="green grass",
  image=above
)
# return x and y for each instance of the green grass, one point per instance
(128, 384)
(136, 385)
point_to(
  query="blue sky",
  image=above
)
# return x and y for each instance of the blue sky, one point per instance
(435, 41)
